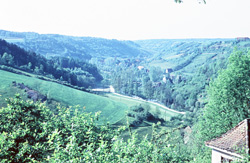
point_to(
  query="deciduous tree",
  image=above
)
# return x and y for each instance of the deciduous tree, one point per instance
(228, 97)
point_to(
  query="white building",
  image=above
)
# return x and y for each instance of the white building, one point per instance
(140, 67)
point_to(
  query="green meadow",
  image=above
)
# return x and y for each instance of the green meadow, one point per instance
(154, 109)
(111, 110)
(113, 107)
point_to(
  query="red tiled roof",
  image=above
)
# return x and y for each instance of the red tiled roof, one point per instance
(233, 141)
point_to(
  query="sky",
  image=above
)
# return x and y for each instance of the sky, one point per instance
(128, 19)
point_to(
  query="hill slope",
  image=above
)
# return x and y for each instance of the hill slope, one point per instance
(185, 55)
(69, 46)
(75, 72)
(67, 96)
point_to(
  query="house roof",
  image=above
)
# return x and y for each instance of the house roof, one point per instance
(233, 141)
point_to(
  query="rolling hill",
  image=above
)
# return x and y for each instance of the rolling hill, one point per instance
(68, 46)
(65, 95)
(185, 55)
(182, 55)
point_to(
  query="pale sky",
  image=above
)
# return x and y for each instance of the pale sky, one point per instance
(128, 19)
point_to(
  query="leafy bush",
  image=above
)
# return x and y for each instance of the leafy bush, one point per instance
(141, 114)
(30, 132)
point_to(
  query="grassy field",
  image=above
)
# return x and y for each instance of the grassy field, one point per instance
(112, 110)
(113, 107)
(154, 109)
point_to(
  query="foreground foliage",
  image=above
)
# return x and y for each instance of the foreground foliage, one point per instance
(31, 132)
(228, 103)
(228, 97)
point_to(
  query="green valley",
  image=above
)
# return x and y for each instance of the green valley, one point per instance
(113, 108)
(165, 92)
(124, 81)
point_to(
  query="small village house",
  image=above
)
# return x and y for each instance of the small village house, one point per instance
(232, 145)
(168, 70)
(140, 67)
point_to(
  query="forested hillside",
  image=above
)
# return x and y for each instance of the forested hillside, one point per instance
(75, 47)
(72, 71)
(176, 74)
(186, 54)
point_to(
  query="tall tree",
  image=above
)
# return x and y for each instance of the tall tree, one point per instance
(229, 97)
(7, 59)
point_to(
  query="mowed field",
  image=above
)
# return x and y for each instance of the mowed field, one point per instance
(111, 110)
(154, 109)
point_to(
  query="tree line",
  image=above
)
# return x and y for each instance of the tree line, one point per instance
(73, 71)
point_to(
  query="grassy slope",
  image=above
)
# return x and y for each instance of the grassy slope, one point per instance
(68, 96)
(6, 92)
(146, 127)
(154, 109)
(111, 105)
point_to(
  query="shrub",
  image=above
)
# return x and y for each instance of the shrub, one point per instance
(30, 132)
